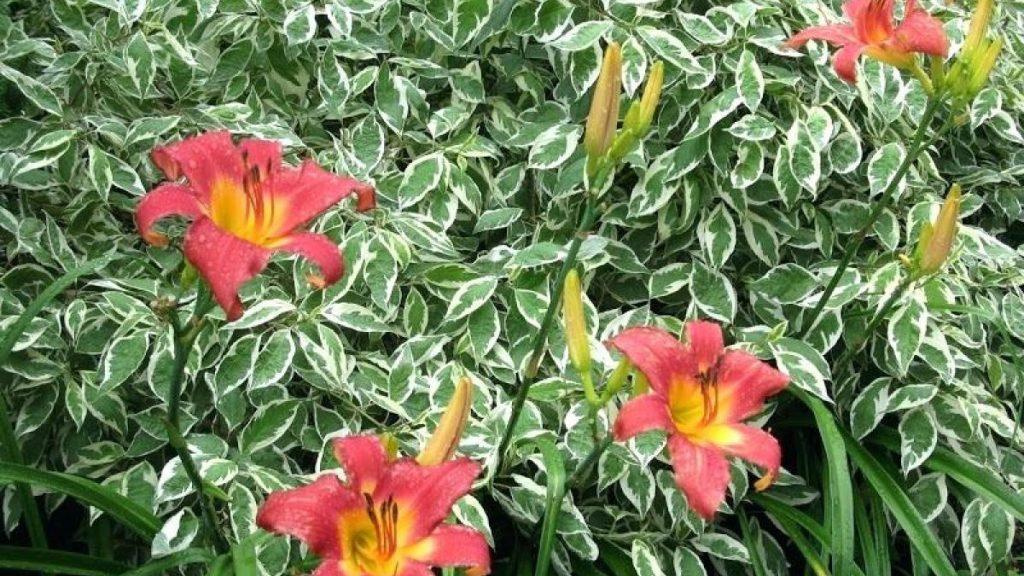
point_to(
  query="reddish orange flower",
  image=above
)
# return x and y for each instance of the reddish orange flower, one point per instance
(245, 205)
(700, 395)
(386, 520)
(871, 31)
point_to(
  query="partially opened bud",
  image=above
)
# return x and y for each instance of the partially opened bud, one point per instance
(983, 63)
(604, 105)
(977, 56)
(979, 25)
(575, 323)
(445, 440)
(936, 240)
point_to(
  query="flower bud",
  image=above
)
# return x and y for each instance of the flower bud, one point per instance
(983, 63)
(445, 440)
(652, 93)
(575, 324)
(979, 25)
(604, 106)
(936, 239)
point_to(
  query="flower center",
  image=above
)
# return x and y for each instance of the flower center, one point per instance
(877, 23)
(248, 211)
(371, 538)
(694, 405)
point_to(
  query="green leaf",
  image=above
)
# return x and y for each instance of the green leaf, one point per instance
(839, 490)
(469, 297)
(554, 467)
(166, 565)
(901, 508)
(554, 146)
(421, 176)
(919, 435)
(713, 293)
(882, 167)
(750, 81)
(645, 562)
(906, 332)
(300, 24)
(34, 90)
(132, 515)
(582, 36)
(670, 48)
(56, 562)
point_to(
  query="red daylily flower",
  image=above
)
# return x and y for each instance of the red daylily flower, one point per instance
(871, 31)
(386, 520)
(245, 205)
(700, 395)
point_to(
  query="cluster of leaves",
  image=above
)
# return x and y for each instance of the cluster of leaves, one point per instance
(466, 115)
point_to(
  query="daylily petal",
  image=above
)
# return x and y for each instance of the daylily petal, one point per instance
(202, 159)
(451, 545)
(835, 33)
(845, 61)
(364, 461)
(921, 32)
(414, 569)
(310, 513)
(701, 472)
(705, 342)
(744, 382)
(427, 492)
(224, 261)
(331, 567)
(309, 190)
(164, 200)
(643, 413)
(319, 249)
(656, 353)
(755, 446)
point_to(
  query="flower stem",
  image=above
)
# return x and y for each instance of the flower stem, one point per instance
(918, 144)
(579, 476)
(883, 311)
(184, 338)
(540, 340)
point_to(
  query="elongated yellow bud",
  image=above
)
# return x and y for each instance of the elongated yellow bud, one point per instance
(604, 107)
(652, 94)
(575, 323)
(445, 440)
(979, 25)
(937, 238)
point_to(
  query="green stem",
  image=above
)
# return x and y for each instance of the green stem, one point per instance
(184, 338)
(579, 476)
(532, 367)
(917, 145)
(883, 311)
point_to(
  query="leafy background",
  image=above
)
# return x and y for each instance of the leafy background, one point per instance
(466, 115)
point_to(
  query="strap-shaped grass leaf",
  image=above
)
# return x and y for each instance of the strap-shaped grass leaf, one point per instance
(167, 563)
(555, 468)
(980, 480)
(132, 515)
(901, 508)
(839, 492)
(56, 562)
